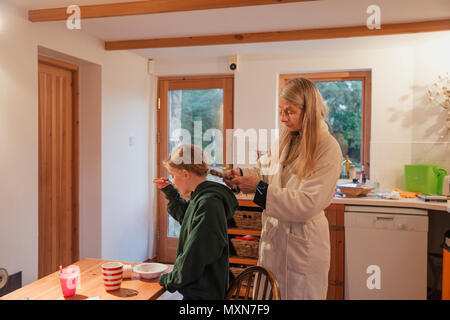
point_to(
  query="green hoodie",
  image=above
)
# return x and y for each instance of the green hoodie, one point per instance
(201, 267)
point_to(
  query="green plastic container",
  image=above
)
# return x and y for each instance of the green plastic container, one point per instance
(424, 178)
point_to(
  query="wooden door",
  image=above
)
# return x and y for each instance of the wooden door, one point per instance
(58, 214)
(182, 102)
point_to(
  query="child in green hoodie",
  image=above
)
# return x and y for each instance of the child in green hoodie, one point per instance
(201, 268)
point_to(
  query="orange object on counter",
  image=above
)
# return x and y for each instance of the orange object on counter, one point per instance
(406, 194)
(446, 267)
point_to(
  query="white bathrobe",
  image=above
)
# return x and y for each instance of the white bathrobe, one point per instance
(295, 239)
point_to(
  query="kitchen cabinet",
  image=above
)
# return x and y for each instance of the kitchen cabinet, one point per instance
(335, 216)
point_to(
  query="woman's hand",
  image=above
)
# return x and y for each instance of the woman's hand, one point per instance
(228, 176)
(247, 184)
(161, 182)
(231, 173)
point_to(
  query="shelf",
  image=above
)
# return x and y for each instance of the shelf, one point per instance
(243, 260)
(244, 232)
(250, 232)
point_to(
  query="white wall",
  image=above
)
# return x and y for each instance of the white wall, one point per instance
(402, 66)
(431, 58)
(117, 195)
(152, 195)
(90, 183)
(125, 168)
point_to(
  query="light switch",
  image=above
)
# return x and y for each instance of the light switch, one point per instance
(132, 141)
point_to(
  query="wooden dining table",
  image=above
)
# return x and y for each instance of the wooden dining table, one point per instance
(90, 286)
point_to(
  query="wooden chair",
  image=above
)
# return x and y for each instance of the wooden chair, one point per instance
(247, 285)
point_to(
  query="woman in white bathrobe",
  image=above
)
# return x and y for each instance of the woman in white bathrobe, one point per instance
(294, 183)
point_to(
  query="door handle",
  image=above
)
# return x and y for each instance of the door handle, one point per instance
(385, 218)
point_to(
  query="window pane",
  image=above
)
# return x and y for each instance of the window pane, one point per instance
(196, 117)
(173, 229)
(344, 100)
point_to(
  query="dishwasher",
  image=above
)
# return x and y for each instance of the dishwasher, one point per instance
(385, 253)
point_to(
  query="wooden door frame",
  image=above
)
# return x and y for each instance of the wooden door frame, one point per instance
(162, 131)
(366, 107)
(75, 148)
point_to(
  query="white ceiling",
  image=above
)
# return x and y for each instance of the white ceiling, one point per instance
(303, 15)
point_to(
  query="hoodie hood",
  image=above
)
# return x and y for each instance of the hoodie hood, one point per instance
(219, 191)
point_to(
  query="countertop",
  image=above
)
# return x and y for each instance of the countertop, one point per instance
(374, 201)
(406, 203)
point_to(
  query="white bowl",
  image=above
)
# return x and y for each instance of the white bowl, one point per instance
(150, 270)
(355, 189)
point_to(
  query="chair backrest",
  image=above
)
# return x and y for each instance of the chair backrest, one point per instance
(256, 283)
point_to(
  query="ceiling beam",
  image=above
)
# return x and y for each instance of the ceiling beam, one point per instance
(291, 35)
(146, 7)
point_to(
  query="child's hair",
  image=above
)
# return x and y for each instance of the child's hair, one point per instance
(190, 158)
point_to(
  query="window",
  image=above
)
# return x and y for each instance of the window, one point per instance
(348, 96)
(192, 116)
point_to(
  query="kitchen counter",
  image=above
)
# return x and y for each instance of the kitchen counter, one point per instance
(373, 201)
(406, 203)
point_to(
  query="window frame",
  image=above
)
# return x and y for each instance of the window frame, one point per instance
(361, 75)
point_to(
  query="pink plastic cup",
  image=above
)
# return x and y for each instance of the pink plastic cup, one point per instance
(69, 280)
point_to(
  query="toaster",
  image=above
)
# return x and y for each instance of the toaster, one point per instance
(446, 186)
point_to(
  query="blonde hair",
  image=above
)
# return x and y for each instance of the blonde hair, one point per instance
(188, 157)
(303, 145)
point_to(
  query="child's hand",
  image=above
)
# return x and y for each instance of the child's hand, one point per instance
(161, 182)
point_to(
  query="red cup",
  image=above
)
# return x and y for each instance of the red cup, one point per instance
(112, 273)
(68, 278)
